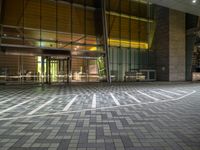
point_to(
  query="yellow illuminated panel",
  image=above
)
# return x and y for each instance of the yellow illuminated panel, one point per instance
(125, 43)
(93, 49)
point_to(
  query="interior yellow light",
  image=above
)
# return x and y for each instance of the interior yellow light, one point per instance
(93, 48)
(125, 43)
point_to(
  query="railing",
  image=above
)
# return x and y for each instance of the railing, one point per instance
(150, 74)
(140, 75)
(23, 79)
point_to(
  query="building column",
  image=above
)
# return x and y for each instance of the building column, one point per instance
(169, 44)
(161, 43)
(42, 69)
(177, 35)
(1, 19)
(48, 70)
(190, 40)
(105, 39)
(68, 69)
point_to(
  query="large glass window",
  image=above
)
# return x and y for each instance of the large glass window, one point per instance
(130, 31)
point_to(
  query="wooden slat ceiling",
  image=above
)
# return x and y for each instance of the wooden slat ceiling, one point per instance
(47, 17)
(90, 3)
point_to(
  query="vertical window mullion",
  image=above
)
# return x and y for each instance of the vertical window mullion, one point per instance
(85, 23)
(56, 23)
(130, 57)
(40, 23)
(120, 48)
(23, 21)
(71, 17)
(139, 36)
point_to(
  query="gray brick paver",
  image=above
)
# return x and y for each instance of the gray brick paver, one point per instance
(171, 125)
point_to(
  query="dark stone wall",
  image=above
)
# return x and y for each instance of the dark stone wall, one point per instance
(191, 22)
(161, 43)
(190, 40)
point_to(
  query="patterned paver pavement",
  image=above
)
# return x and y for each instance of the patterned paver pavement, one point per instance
(138, 116)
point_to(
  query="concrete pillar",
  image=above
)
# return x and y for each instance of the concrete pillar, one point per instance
(169, 44)
(161, 43)
(177, 46)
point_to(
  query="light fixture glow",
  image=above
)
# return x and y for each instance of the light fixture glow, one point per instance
(194, 1)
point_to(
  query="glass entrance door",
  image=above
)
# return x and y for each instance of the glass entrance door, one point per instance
(59, 70)
(53, 70)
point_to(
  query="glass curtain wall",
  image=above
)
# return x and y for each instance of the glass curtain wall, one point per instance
(50, 24)
(31, 26)
(71, 29)
(130, 29)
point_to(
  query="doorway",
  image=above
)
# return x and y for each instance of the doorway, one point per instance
(50, 69)
(54, 69)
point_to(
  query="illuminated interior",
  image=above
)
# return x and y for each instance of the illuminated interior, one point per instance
(63, 26)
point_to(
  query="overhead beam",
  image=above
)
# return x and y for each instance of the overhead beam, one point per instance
(74, 4)
(112, 13)
(141, 1)
(109, 12)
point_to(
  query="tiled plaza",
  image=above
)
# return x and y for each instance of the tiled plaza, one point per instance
(138, 116)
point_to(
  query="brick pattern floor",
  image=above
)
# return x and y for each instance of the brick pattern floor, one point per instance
(141, 116)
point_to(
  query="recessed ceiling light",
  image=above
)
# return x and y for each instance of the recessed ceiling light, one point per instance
(194, 1)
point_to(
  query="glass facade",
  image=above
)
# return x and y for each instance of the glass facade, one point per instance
(62, 41)
(131, 28)
(49, 24)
